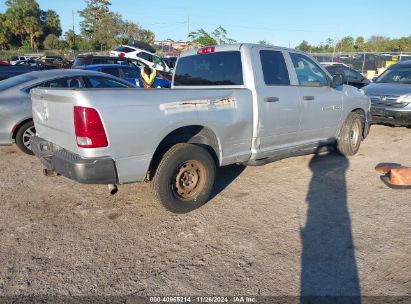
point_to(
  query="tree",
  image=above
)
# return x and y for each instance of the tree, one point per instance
(100, 26)
(359, 42)
(202, 37)
(71, 39)
(345, 44)
(303, 46)
(146, 36)
(52, 42)
(129, 31)
(220, 35)
(4, 33)
(23, 19)
(51, 23)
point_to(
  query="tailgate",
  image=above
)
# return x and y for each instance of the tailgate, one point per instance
(53, 116)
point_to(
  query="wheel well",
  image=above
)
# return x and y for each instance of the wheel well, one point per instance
(18, 126)
(193, 134)
(363, 119)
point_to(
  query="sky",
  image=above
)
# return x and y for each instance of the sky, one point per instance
(282, 23)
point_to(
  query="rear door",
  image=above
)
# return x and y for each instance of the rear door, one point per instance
(280, 105)
(321, 104)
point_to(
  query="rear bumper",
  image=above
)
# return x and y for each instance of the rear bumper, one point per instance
(101, 170)
(389, 116)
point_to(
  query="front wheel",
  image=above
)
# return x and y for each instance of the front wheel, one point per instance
(349, 140)
(184, 178)
(23, 135)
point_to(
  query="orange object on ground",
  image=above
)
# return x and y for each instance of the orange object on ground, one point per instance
(395, 176)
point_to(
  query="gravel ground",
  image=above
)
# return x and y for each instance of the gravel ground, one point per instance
(310, 225)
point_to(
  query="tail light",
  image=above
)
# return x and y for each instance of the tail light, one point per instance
(121, 54)
(89, 129)
(206, 50)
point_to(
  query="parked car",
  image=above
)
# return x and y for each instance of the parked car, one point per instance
(16, 123)
(390, 95)
(129, 73)
(28, 62)
(327, 63)
(4, 62)
(52, 59)
(83, 60)
(147, 57)
(241, 103)
(350, 76)
(7, 71)
(15, 58)
(171, 61)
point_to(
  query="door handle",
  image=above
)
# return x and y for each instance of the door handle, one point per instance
(271, 99)
(308, 97)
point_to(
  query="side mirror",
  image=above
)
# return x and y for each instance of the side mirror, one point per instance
(338, 80)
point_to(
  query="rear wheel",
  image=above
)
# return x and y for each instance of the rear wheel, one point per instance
(184, 178)
(23, 135)
(349, 140)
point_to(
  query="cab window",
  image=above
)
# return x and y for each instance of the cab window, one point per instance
(308, 72)
(274, 68)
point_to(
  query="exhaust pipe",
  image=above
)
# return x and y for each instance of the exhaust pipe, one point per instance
(112, 189)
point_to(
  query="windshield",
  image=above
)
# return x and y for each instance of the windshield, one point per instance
(14, 81)
(396, 75)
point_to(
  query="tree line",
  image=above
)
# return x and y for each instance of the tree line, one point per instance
(25, 25)
(374, 43)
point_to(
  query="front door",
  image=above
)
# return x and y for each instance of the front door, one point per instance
(321, 104)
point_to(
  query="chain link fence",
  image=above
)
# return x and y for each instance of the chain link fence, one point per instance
(364, 62)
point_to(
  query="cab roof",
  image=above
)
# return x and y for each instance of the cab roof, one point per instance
(235, 47)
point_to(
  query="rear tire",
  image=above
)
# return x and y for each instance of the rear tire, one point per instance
(184, 178)
(23, 135)
(349, 140)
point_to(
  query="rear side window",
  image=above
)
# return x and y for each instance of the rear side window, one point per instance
(213, 69)
(351, 74)
(102, 82)
(124, 49)
(131, 73)
(68, 82)
(79, 61)
(274, 68)
(145, 56)
(111, 71)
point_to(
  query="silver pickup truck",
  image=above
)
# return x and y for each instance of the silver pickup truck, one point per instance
(242, 103)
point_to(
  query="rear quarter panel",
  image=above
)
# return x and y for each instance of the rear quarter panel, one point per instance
(15, 107)
(136, 121)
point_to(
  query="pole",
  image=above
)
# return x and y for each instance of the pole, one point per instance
(74, 34)
(188, 26)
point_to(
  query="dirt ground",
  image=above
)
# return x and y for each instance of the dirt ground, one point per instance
(310, 225)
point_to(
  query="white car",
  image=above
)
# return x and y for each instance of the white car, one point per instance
(327, 63)
(148, 58)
